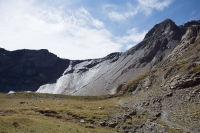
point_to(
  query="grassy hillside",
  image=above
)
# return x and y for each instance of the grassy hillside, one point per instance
(47, 113)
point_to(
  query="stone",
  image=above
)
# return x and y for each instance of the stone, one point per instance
(133, 112)
(22, 102)
(156, 114)
(196, 91)
(112, 124)
(82, 121)
(122, 127)
(145, 103)
(2, 113)
(89, 126)
(103, 123)
(170, 94)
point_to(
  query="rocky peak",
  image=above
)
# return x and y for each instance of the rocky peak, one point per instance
(158, 42)
(192, 34)
(166, 28)
(190, 23)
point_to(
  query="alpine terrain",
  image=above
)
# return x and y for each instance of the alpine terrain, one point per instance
(107, 75)
(152, 87)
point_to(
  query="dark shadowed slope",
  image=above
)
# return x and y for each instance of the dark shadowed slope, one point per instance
(26, 70)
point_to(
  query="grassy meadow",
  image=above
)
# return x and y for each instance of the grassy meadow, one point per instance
(47, 113)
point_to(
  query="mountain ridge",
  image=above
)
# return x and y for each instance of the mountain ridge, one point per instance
(128, 65)
(26, 70)
(102, 75)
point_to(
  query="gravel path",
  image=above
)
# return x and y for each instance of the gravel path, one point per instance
(164, 118)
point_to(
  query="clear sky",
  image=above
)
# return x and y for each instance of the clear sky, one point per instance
(85, 29)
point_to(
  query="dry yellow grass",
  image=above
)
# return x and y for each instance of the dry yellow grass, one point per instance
(45, 113)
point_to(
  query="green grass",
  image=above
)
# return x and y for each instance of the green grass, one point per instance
(195, 69)
(133, 83)
(21, 112)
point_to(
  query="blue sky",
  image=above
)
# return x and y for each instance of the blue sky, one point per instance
(83, 29)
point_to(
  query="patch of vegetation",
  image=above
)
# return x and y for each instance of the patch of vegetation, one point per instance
(133, 84)
(15, 124)
(182, 65)
(195, 69)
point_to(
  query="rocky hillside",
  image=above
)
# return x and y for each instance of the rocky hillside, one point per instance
(107, 75)
(181, 69)
(27, 70)
(171, 90)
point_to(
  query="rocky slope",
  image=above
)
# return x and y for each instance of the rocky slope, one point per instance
(170, 92)
(107, 75)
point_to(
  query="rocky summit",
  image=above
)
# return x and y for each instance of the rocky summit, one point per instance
(155, 86)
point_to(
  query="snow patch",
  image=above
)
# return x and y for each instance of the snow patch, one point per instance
(11, 92)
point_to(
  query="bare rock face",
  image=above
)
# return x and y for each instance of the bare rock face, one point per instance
(26, 70)
(106, 75)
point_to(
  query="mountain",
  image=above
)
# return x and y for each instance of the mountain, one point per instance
(27, 70)
(107, 75)
(170, 91)
(31, 70)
